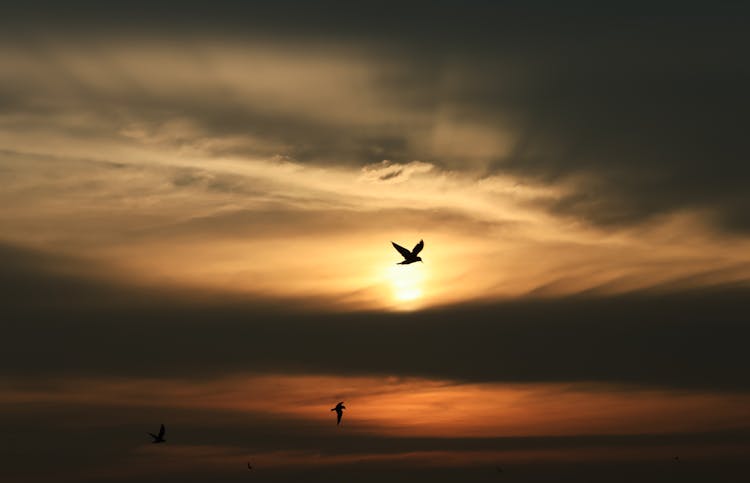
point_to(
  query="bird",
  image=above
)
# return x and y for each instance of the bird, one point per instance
(339, 412)
(409, 256)
(249, 466)
(160, 437)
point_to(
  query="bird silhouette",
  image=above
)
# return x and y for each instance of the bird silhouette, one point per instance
(160, 437)
(249, 466)
(409, 256)
(339, 412)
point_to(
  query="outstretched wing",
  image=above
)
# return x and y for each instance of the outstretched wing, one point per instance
(162, 430)
(418, 248)
(403, 251)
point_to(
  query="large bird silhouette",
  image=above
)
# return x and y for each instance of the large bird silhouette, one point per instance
(160, 437)
(339, 412)
(409, 256)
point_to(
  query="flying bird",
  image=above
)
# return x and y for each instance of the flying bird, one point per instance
(339, 412)
(249, 466)
(409, 256)
(160, 437)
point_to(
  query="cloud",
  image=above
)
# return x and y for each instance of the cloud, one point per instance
(628, 129)
(155, 217)
(688, 338)
(388, 172)
(215, 426)
(191, 193)
(406, 407)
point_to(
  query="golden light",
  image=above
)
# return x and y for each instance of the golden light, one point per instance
(407, 282)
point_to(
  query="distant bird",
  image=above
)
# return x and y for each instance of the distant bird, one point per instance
(677, 458)
(409, 256)
(160, 437)
(499, 470)
(339, 412)
(249, 466)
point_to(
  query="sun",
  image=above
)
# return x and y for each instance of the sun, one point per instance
(407, 282)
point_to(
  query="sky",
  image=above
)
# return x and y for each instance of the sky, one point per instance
(198, 200)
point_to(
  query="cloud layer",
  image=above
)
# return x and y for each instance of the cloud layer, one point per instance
(198, 201)
(641, 125)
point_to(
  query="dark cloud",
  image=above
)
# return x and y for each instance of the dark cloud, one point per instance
(645, 137)
(60, 323)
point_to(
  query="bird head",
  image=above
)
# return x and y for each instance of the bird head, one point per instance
(419, 259)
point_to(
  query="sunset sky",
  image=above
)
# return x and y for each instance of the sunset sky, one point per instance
(198, 199)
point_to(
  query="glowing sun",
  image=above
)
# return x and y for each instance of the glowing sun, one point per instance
(407, 282)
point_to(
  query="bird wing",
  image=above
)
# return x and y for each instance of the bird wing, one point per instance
(418, 248)
(403, 251)
(338, 417)
(162, 430)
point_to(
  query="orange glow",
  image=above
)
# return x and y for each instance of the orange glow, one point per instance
(419, 407)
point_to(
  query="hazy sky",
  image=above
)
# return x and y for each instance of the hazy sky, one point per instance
(196, 208)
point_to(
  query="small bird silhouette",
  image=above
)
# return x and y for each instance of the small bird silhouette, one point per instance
(160, 437)
(677, 458)
(409, 256)
(339, 412)
(249, 466)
